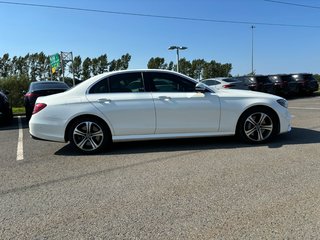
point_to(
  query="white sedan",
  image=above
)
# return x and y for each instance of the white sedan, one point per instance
(136, 105)
(226, 82)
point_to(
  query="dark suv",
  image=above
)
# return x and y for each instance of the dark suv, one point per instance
(307, 84)
(5, 108)
(250, 82)
(284, 84)
(259, 83)
(264, 84)
(41, 88)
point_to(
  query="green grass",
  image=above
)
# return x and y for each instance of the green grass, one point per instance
(18, 110)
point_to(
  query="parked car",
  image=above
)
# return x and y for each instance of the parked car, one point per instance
(5, 108)
(250, 82)
(225, 82)
(160, 104)
(41, 88)
(284, 84)
(264, 84)
(307, 84)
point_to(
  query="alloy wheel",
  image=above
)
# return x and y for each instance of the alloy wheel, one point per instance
(258, 127)
(88, 136)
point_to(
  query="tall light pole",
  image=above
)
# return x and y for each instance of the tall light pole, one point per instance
(177, 48)
(252, 27)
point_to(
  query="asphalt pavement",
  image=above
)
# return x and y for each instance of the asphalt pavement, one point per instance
(209, 188)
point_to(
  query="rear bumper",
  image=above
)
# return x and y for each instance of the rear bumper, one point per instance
(48, 130)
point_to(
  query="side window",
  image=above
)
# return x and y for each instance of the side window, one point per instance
(127, 82)
(163, 82)
(100, 87)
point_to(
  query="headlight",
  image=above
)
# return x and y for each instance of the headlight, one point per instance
(283, 102)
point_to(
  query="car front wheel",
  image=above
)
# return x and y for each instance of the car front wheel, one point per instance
(88, 135)
(257, 125)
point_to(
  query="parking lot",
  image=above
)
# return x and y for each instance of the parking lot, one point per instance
(209, 188)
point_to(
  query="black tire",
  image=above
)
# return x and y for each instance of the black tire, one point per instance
(89, 135)
(257, 125)
(28, 113)
(8, 117)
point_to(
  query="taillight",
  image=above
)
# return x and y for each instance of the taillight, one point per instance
(31, 95)
(228, 85)
(38, 107)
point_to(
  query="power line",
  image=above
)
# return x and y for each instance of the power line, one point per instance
(158, 16)
(293, 4)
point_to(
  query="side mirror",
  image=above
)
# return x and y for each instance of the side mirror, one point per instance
(200, 87)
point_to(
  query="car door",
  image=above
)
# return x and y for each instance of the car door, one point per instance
(179, 108)
(124, 102)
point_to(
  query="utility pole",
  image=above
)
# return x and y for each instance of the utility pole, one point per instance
(252, 27)
(66, 59)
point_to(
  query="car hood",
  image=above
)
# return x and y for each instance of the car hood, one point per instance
(243, 94)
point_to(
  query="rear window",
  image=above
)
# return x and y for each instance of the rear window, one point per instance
(303, 77)
(287, 78)
(36, 86)
(230, 80)
(263, 79)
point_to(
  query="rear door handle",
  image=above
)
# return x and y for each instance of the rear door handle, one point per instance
(104, 100)
(165, 98)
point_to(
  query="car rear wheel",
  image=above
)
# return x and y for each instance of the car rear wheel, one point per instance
(89, 135)
(257, 125)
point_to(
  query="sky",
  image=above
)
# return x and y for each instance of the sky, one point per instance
(276, 49)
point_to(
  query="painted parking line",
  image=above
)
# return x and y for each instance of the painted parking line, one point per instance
(20, 141)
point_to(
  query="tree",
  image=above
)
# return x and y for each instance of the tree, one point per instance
(99, 65)
(15, 85)
(94, 66)
(41, 64)
(214, 69)
(197, 67)
(157, 63)
(170, 65)
(32, 62)
(76, 67)
(86, 68)
(5, 65)
(185, 66)
(120, 64)
(103, 64)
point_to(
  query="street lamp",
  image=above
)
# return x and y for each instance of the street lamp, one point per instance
(252, 27)
(177, 48)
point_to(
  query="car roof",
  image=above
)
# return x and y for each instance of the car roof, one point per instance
(141, 70)
(84, 85)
